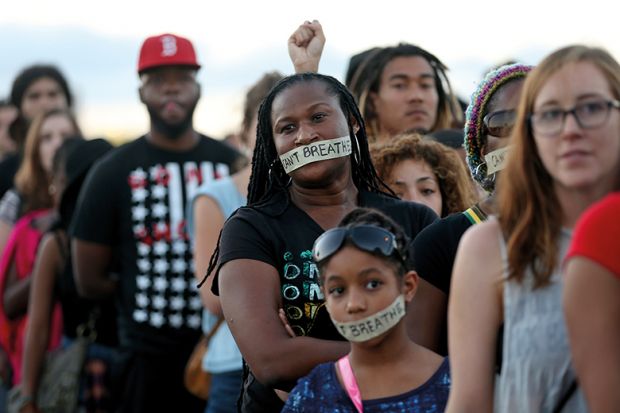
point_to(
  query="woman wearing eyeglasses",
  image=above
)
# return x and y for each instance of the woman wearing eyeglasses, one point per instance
(367, 285)
(489, 120)
(565, 155)
(311, 166)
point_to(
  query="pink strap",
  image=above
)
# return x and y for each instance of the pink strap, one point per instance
(350, 385)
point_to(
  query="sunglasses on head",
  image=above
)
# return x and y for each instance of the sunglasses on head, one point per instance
(499, 123)
(365, 237)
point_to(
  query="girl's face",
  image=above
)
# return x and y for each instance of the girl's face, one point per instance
(357, 284)
(305, 113)
(407, 98)
(54, 130)
(578, 158)
(41, 96)
(414, 180)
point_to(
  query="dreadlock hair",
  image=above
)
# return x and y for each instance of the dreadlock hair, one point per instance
(268, 176)
(368, 216)
(368, 80)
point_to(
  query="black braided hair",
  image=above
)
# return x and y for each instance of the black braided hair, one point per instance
(268, 176)
(369, 216)
(368, 80)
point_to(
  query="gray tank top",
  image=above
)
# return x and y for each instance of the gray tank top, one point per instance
(536, 368)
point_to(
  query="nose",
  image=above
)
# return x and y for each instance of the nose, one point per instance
(571, 125)
(355, 302)
(305, 135)
(415, 92)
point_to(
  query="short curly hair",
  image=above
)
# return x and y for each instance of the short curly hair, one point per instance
(457, 191)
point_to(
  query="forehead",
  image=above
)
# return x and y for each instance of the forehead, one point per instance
(301, 96)
(43, 83)
(168, 70)
(411, 66)
(506, 97)
(572, 81)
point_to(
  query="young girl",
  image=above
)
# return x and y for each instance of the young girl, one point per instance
(367, 287)
(421, 170)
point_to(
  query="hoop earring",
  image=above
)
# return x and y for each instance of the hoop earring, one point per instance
(477, 169)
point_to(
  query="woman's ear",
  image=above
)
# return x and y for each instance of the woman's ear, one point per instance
(410, 285)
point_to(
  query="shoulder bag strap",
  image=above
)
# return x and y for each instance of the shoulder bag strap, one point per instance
(217, 325)
(350, 385)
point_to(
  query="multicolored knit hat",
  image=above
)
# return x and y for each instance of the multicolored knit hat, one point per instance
(475, 139)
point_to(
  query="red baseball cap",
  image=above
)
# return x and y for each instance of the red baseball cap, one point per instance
(166, 50)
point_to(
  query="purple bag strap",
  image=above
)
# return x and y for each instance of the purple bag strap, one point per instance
(350, 385)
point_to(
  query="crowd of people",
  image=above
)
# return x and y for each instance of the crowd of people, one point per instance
(375, 245)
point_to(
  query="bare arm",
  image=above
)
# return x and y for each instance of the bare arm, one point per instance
(305, 47)
(250, 296)
(474, 316)
(91, 262)
(426, 315)
(15, 293)
(591, 300)
(209, 220)
(48, 265)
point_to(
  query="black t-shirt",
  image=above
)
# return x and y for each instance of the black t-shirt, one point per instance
(135, 200)
(434, 249)
(8, 169)
(282, 235)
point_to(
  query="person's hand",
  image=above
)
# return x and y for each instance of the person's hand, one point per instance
(305, 46)
(284, 320)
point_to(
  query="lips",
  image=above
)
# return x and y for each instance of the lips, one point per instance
(417, 113)
(574, 154)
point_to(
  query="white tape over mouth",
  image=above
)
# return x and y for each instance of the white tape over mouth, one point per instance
(316, 151)
(374, 325)
(496, 160)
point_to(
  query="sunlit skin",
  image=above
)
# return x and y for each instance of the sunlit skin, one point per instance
(41, 96)
(54, 130)
(407, 97)
(315, 116)
(579, 158)
(414, 180)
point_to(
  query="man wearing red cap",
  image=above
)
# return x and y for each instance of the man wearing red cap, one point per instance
(131, 221)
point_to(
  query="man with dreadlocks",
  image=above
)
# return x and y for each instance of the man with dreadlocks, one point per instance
(403, 88)
(311, 166)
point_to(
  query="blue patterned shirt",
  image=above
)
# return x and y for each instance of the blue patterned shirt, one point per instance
(321, 392)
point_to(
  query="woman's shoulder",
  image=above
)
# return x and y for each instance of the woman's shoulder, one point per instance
(320, 388)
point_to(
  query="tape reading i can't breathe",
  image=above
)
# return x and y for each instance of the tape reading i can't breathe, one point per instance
(496, 160)
(374, 325)
(314, 152)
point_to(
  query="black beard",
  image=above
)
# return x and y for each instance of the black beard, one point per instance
(171, 131)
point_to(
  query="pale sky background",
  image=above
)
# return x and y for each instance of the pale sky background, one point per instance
(96, 44)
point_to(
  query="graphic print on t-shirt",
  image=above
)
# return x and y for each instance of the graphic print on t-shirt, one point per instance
(301, 291)
(166, 294)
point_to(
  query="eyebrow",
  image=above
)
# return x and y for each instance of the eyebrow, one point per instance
(402, 76)
(312, 107)
(424, 178)
(579, 98)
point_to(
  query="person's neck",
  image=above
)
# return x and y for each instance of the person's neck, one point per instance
(340, 193)
(184, 142)
(574, 202)
(389, 354)
(488, 205)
